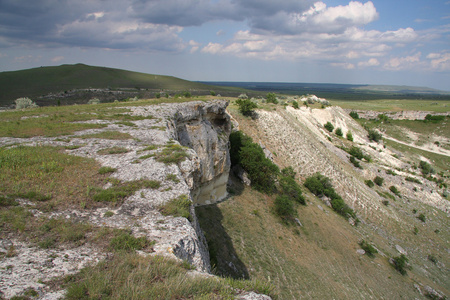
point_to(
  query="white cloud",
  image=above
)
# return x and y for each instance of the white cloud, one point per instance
(401, 63)
(348, 66)
(440, 61)
(194, 46)
(370, 63)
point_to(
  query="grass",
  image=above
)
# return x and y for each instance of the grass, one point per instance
(106, 170)
(120, 190)
(171, 154)
(130, 276)
(394, 105)
(173, 178)
(125, 241)
(177, 207)
(113, 150)
(40, 172)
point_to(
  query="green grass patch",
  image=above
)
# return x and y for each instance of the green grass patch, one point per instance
(126, 123)
(113, 150)
(386, 195)
(177, 207)
(125, 241)
(412, 179)
(172, 154)
(368, 248)
(41, 172)
(108, 135)
(131, 276)
(172, 177)
(120, 190)
(106, 170)
(150, 147)
(72, 147)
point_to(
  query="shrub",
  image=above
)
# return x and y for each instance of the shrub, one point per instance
(187, 94)
(426, 168)
(430, 118)
(291, 189)
(385, 202)
(412, 179)
(354, 115)
(356, 152)
(271, 98)
(369, 183)
(400, 263)
(374, 135)
(106, 170)
(295, 104)
(378, 180)
(339, 131)
(368, 248)
(25, 103)
(394, 190)
(422, 218)
(355, 162)
(349, 136)
(284, 207)
(261, 170)
(246, 106)
(328, 126)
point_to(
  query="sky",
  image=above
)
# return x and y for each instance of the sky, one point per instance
(392, 42)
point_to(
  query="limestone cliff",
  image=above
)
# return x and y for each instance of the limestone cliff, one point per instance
(201, 128)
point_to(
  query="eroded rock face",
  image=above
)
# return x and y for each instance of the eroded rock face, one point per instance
(205, 128)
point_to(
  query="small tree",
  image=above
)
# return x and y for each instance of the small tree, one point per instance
(328, 126)
(295, 104)
(349, 136)
(271, 98)
(378, 180)
(426, 168)
(246, 106)
(339, 131)
(400, 263)
(284, 207)
(24, 103)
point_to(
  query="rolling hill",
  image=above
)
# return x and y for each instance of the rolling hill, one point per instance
(45, 84)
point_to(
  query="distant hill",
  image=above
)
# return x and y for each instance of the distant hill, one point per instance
(341, 91)
(38, 83)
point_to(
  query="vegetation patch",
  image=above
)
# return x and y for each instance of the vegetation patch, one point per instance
(131, 276)
(369, 183)
(400, 263)
(42, 173)
(394, 190)
(368, 248)
(246, 106)
(125, 241)
(321, 186)
(412, 179)
(113, 150)
(172, 154)
(172, 177)
(177, 207)
(120, 190)
(328, 126)
(378, 180)
(106, 170)
(374, 135)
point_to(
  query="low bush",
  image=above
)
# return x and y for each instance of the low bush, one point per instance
(354, 115)
(339, 131)
(374, 135)
(284, 207)
(400, 263)
(368, 248)
(422, 218)
(426, 168)
(295, 104)
(394, 190)
(320, 186)
(369, 183)
(246, 106)
(290, 188)
(378, 180)
(328, 126)
(412, 179)
(349, 136)
(355, 162)
(271, 98)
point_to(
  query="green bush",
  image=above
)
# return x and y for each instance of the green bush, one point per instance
(237, 140)
(426, 168)
(369, 183)
(284, 207)
(368, 248)
(246, 106)
(271, 98)
(400, 263)
(290, 188)
(394, 190)
(374, 135)
(355, 162)
(349, 136)
(261, 170)
(354, 115)
(378, 180)
(422, 218)
(328, 126)
(339, 131)
(320, 186)
(295, 104)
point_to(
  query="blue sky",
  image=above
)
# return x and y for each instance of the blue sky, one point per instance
(401, 42)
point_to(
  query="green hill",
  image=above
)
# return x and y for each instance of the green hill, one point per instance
(39, 82)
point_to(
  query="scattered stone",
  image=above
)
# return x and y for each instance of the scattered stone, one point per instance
(361, 251)
(401, 250)
(297, 221)
(253, 296)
